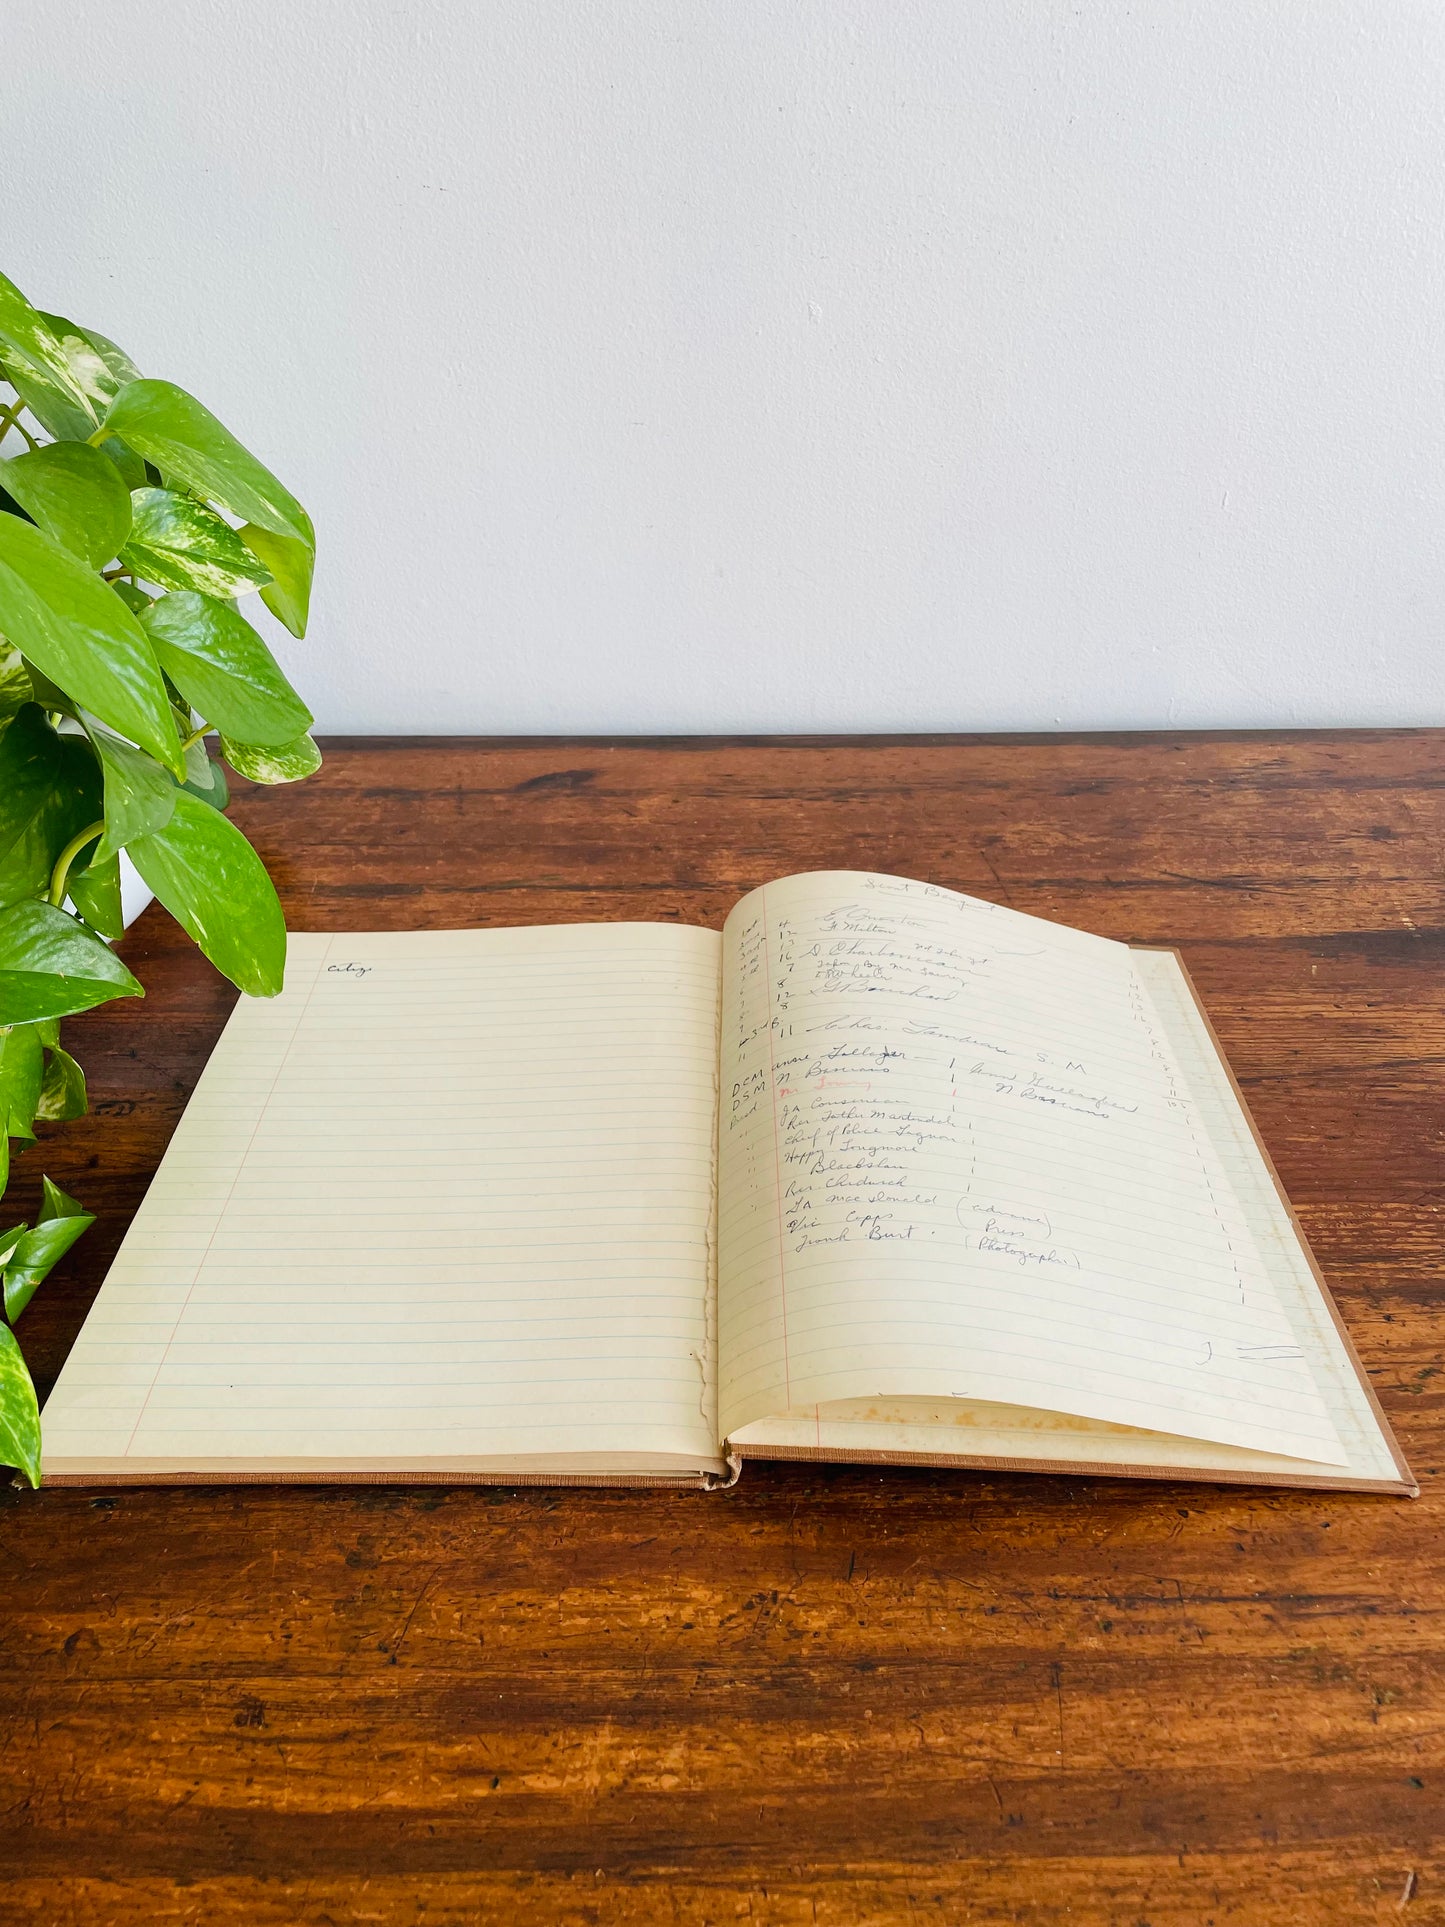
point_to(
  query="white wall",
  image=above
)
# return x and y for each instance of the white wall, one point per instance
(789, 364)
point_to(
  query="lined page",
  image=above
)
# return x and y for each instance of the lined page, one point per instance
(958, 1159)
(446, 1202)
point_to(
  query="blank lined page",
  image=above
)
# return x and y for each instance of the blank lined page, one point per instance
(959, 1160)
(447, 1203)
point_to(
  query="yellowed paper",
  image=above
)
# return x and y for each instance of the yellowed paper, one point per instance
(447, 1202)
(959, 1159)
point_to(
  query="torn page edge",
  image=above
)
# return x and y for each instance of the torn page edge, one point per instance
(721, 1481)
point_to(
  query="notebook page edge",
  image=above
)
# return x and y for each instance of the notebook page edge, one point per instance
(1355, 1375)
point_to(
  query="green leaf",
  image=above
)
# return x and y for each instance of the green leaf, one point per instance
(21, 1073)
(116, 359)
(205, 778)
(40, 1248)
(280, 763)
(136, 600)
(19, 1410)
(27, 342)
(9, 1240)
(126, 463)
(75, 495)
(139, 796)
(288, 595)
(95, 892)
(100, 369)
(15, 690)
(221, 666)
(51, 406)
(216, 887)
(181, 436)
(49, 695)
(55, 1203)
(66, 621)
(51, 967)
(62, 1089)
(49, 791)
(181, 544)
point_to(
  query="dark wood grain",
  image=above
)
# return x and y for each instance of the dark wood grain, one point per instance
(826, 1696)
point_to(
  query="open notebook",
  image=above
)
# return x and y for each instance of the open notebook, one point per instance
(879, 1173)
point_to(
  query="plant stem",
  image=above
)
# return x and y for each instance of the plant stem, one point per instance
(67, 856)
(11, 419)
(195, 737)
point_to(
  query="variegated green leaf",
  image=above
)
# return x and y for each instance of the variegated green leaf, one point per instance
(98, 368)
(62, 1089)
(279, 763)
(179, 543)
(19, 1410)
(182, 437)
(28, 346)
(15, 689)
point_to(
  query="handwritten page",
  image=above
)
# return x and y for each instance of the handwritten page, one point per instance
(446, 1203)
(976, 1431)
(959, 1160)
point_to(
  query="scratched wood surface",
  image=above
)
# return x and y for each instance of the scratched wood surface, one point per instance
(826, 1696)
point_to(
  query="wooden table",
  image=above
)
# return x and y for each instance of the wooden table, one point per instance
(831, 1695)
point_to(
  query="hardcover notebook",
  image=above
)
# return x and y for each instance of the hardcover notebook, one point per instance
(879, 1173)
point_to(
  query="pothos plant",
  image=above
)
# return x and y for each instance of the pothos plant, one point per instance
(131, 521)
